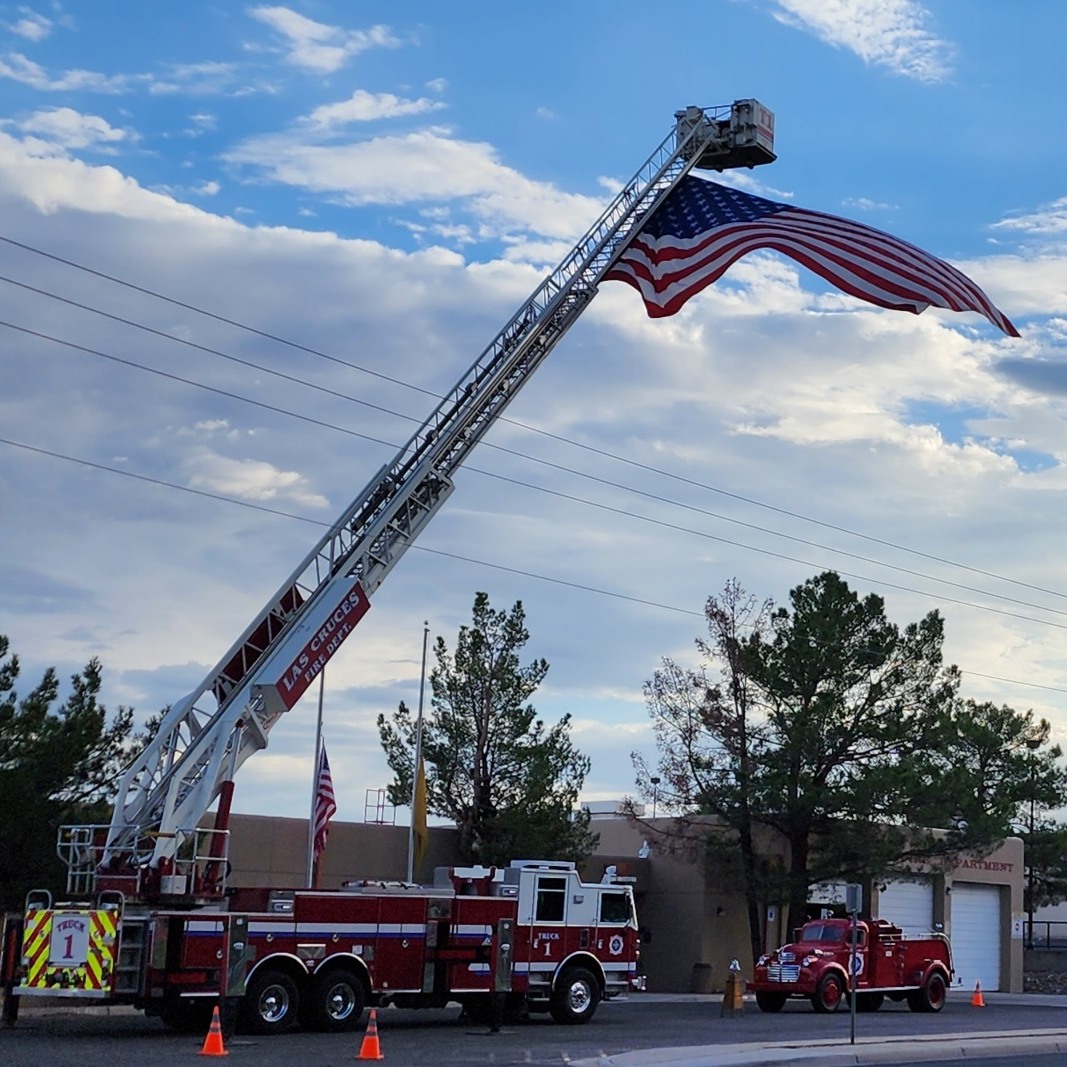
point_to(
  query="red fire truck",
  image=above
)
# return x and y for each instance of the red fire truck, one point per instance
(817, 965)
(150, 919)
(533, 933)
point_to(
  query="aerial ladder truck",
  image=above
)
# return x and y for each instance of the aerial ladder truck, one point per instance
(151, 920)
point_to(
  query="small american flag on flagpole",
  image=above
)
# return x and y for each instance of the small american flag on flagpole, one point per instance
(702, 228)
(325, 804)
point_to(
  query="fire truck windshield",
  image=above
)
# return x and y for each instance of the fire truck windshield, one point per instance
(822, 932)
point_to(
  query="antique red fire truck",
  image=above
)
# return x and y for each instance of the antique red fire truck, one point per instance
(885, 963)
(533, 933)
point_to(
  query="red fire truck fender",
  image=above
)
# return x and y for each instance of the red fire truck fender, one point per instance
(288, 962)
(837, 969)
(586, 961)
(348, 961)
(933, 967)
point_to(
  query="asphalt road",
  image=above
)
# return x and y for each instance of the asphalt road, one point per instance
(621, 1033)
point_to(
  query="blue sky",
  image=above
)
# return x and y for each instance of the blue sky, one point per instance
(385, 184)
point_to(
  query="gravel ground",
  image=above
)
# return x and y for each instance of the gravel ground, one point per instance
(1045, 982)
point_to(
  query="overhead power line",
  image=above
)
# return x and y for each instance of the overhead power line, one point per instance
(289, 413)
(502, 567)
(196, 309)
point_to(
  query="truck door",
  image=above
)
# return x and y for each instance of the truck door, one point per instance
(549, 921)
(616, 937)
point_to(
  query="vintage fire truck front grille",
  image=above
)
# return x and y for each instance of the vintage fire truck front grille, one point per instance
(783, 972)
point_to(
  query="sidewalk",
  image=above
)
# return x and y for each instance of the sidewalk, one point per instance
(840, 1052)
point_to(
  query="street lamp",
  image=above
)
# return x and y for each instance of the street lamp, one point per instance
(655, 795)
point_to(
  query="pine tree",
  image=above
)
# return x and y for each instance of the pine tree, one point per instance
(507, 780)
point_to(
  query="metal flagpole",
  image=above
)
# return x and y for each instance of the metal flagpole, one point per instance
(418, 755)
(315, 783)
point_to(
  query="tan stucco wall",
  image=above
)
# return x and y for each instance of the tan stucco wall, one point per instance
(693, 908)
(272, 851)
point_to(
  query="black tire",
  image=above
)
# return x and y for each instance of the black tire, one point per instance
(869, 1001)
(770, 1002)
(271, 1004)
(930, 996)
(335, 1001)
(575, 997)
(829, 993)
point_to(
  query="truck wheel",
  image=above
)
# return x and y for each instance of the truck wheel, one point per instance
(930, 996)
(575, 997)
(770, 1002)
(828, 993)
(336, 1001)
(869, 1001)
(271, 1004)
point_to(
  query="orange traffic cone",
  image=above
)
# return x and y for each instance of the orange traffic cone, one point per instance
(213, 1042)
(976, 1000)
(370, 1049)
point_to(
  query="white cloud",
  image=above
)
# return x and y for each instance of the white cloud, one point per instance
(423, 166)
(31, 25)
(52, 185)
(864, 203)
(250, 479)
(20, 68)
(317, 46)
(200, 189)
(208, 78)
(885, 33)
(362, 106)
(69, 129)
(1049, 219)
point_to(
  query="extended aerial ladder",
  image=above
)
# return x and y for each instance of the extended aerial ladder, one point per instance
(205, 737)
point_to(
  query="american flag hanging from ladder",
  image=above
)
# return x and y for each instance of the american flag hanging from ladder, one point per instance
(702, 228)
(325, 803)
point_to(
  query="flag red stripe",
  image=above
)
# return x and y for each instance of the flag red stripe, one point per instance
(325, 804)
(862, 261)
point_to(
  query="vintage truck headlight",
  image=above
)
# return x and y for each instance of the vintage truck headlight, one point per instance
(807, 961)
(762, 961)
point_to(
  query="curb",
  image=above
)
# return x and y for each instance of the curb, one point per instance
(827, 1054)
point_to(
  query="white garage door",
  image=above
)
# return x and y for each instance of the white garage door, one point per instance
(975, 929)
(909, 905)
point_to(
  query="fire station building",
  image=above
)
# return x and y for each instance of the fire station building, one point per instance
(692, 913)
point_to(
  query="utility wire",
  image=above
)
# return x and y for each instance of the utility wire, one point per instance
(500, 567)
(532, 429)
(229, 394)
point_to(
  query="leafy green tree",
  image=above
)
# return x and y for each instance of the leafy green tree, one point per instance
(710, 740)
(993, 774)
(509, 782)
(988, 765)
(58, 764)
(834, 700)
